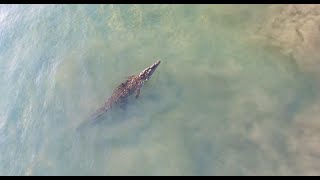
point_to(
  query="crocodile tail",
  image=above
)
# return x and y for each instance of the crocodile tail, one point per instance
(92, 119)
(98, 113)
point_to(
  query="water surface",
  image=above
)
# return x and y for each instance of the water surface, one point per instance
(220, 103)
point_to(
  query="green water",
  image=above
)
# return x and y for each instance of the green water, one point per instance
(220, 103)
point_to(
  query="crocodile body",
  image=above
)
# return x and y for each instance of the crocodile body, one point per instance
(124, 90)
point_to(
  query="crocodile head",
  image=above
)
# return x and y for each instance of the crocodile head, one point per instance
(146, 74)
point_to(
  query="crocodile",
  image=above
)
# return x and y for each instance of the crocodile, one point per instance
(121, 94)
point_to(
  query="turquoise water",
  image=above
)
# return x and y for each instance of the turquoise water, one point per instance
(220, 103)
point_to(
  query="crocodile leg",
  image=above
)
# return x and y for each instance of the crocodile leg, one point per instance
(138, 93)
(138, 90)
(123, 104)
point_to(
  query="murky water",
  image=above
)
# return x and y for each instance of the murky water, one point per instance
(220, 103)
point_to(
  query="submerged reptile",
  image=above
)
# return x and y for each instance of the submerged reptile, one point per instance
(124, 90)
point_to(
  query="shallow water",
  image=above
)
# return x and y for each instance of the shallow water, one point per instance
(218, 104)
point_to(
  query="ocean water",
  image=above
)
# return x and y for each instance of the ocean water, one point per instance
(220, 103)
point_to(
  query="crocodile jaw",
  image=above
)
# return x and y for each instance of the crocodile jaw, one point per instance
(146, 74)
